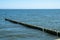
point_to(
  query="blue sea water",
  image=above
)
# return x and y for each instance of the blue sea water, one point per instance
(46, 18)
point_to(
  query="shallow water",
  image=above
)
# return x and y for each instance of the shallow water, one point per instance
(44, 18)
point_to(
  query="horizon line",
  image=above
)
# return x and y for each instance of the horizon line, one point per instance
(33, 8)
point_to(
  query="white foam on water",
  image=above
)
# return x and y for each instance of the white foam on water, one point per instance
(58, 39)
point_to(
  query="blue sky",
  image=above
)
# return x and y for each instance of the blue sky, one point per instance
(29, 4)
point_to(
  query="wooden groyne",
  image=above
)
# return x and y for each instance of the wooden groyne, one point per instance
(52, 32)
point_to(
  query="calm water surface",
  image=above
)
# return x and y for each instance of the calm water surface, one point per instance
(47, 18)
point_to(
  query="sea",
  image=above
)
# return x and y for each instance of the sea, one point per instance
(46, 18)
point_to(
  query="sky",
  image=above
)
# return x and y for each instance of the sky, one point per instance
(29, 4)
